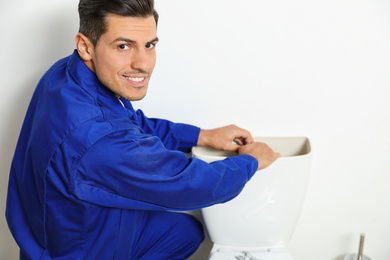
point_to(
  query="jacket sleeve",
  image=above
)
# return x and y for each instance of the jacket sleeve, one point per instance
(133, 171)
(175, 136)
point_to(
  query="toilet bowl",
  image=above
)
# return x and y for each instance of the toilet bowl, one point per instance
(259, 222)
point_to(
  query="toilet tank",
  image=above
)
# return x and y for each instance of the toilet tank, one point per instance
(265, 213)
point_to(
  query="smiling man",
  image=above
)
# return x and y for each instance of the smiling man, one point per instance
(91, 177)
(125, 55)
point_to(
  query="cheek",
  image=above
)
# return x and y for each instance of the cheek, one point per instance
(107, 76)
(152, 62)
(110, 68)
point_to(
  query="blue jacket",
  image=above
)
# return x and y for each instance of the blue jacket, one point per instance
(86, 167)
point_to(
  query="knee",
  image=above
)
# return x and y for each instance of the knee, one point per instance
(171, 236)
(181, 228)
(192, 229)
(189, 236)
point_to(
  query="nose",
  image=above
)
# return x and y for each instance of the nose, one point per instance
(142, 61)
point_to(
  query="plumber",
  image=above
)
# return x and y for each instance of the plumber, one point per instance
(91, 177)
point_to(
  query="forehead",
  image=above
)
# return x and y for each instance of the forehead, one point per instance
(130, 27)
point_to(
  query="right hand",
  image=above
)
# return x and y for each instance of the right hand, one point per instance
(222, 138)
(263, 153)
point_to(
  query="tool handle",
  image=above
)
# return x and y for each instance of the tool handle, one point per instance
(361, 244)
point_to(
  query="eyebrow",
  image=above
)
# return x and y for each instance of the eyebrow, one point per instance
(122, 39)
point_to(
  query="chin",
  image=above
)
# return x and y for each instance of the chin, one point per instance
(134, 97)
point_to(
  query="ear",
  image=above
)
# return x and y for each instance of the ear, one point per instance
(84, 46)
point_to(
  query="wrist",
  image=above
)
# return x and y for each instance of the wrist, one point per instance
(204, 137)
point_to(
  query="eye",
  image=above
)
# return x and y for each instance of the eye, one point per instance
(150, 45)
(123, 47)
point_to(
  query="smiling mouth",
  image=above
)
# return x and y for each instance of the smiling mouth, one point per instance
(136, 79)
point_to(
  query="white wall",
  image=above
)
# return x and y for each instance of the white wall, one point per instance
(284, 68)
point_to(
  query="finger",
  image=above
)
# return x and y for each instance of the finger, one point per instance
(249, 140)
(245, 139)
(239, 141)
(232, 147)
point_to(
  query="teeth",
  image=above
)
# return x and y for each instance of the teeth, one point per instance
(135, 79)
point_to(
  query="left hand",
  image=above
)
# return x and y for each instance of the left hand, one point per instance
(223, 138)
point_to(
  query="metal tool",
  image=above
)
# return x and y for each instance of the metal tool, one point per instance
(246, 256)
(361, 244)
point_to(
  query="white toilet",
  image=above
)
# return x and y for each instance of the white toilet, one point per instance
(257, 224)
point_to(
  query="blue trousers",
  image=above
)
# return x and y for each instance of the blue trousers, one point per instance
(167, 236)
(160, 235)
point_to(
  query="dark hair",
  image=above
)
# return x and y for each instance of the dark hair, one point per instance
(93, 14)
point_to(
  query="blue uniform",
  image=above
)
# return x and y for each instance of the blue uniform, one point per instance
(92, 178)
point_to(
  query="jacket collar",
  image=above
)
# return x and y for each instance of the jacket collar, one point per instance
(102, 95)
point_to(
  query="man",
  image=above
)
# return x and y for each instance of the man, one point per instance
(92, 178)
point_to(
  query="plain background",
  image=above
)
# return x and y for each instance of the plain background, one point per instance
(277, 68)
